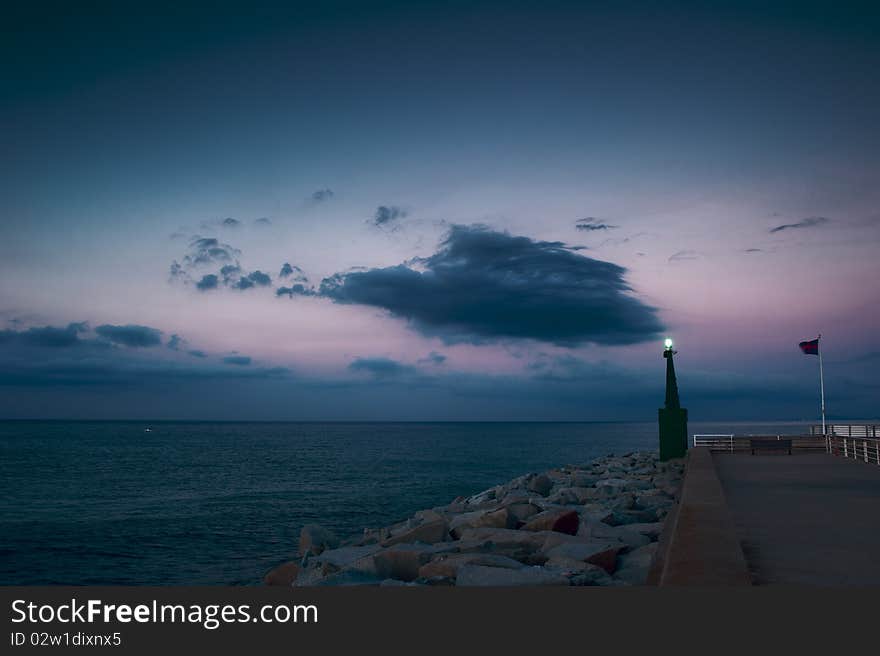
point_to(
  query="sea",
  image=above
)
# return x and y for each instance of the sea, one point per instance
(201, 503)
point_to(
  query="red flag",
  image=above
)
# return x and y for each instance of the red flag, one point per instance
(811, 347)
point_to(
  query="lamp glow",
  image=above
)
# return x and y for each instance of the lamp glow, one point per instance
(668, 343)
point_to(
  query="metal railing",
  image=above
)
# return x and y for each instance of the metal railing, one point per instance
(847, 430)
(715, 442)
(857, 448)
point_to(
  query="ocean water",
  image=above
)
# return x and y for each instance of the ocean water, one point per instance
(220, 503)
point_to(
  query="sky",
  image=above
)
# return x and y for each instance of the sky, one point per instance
(438, 211)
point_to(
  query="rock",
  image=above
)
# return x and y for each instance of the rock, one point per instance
(578, 572)
(429, 533)
(640, 557)
(651, 530)
(481, 497)
(563, 521)
(506, 541)
(653, 502)
(541, 484)
(625, 501)
(313, 539)
(479, 518)
(596, 512)
(401, 562)
(569, 496)
(517, 496)
(601, 553)
(633, 567)
(583, 479)
(348, 557)
(631, 538)
(621, 517)
(431, 515)
(520, 512)
(284, 574)
(447, 566)
(479, 575)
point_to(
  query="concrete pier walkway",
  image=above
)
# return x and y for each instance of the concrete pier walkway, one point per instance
(804, 519)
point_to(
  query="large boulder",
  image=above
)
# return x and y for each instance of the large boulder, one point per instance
(562, 520)
(315, 569)
(578, 572)
(625, 501)
(583, 479)
(631, 537)
(596, 512)
(541, 484)
(633, 567)
(348, 557)
(401, 562)
(640, 557)
(429, 533)
(313, 539)
(623, 517)
(521, 512)
(506, 541)
(480, 575)
(651, 530)
(601, 553)
(480, 518)
(447, 566)
(284, 574)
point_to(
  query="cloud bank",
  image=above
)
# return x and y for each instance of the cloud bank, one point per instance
(483, 285)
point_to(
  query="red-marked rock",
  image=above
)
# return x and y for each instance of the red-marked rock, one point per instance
(284, 574)
(562, 521)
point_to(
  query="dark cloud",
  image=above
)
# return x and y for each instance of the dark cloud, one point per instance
(295, 290)
(177, 272)
(380, 367)
(322, 195)
(229, 222)
(591, 224)
(293, 272)
(809, 222)
(388, 214)
(240, 360)
(753, 250)
(682, 256)
(230, 273)
(253, 279)
(62, 357)
(130, 335)
(209, 281)
(483, 285)
(46, 336)
(263, 221)
(209, 250)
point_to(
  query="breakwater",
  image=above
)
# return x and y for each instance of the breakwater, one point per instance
(595, 524)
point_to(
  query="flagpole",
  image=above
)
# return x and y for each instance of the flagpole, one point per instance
(822, 385)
